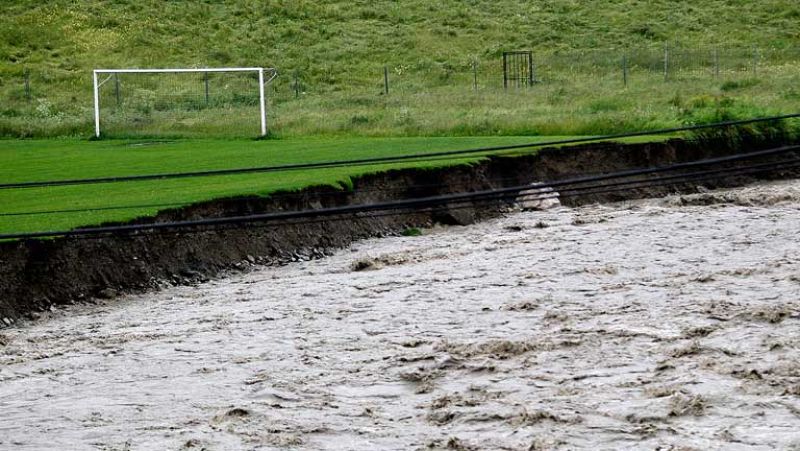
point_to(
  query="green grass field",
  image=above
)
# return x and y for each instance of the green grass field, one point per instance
(338, 50)
(40, 160)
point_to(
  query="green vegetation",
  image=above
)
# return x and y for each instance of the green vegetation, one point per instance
(329, 102)
(412, 231)
(337, 50)
(41, 160)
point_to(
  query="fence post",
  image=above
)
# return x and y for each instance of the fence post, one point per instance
(531, 76)
(27, 75)
(475, 75)
(296, 85)
(205, 81)
(716, 62)
(625, 69)
(505, 71)
(386, 80)
(666, 62)
(116, 88)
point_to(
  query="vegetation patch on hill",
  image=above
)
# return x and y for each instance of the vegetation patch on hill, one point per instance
(442, 60)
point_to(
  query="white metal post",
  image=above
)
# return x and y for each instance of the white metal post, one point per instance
(96, 106)
(263, 102)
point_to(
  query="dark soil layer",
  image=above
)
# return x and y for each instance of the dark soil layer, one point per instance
(34, 275)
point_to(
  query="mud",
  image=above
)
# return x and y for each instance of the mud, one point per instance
(654, 324)
(36, 276)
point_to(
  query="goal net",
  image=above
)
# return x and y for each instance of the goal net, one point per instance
(223, 102)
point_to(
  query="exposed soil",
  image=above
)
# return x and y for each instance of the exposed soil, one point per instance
(36, 275)
(671, 323)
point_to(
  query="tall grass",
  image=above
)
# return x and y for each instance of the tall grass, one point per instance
(338, 50)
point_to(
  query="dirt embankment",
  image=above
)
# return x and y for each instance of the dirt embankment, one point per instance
(37, 274)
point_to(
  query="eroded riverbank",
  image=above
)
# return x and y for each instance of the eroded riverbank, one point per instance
(670, 322)
(36, 275)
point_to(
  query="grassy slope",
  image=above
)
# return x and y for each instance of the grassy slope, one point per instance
(338, 45)
(67, 159)
(80, 35)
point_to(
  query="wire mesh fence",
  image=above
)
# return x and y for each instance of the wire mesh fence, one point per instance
(625, 66)
(53, 102)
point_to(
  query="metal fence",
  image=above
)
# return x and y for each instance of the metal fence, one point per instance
(621, 67)
(64, 96)
(668, 63)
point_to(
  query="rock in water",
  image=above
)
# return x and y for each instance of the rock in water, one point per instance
(108, 293)
(543, 198)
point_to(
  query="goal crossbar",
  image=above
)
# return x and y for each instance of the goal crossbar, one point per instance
(259, 70)
(155, 71)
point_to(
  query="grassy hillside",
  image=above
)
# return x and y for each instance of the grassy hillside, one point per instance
(338, 49)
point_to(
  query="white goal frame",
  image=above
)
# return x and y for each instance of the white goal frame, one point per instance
(261, 82)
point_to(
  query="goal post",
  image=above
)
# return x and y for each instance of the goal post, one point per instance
(174, 100)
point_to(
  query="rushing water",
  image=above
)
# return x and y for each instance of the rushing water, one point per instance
(671, 323)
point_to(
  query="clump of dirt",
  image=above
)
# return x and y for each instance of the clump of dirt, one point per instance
(285, 440)
(693, 348)
(663, 391)
(445, 401)
(553, 316)
(579, 221)
(793, 389)
(476, 398)
(720, 310)
(699, 331)
(499, 349)
(452, 443)
(414, 343)
(532, 417)
(195, 444)
(705, 278)
(522, 306)
(234, 414)
(441, 417)
(605, 270)
(747, 374)
(423, 377)
(772, 314)
(546, 444)
(684, 405)
(375, 263)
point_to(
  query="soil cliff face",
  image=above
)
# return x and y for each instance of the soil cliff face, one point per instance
(36, 274)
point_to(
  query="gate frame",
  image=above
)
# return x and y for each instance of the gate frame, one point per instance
(519, 70)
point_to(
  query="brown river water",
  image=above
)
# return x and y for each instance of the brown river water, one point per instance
(660, 324)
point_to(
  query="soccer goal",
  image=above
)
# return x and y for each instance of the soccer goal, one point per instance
(218, 102)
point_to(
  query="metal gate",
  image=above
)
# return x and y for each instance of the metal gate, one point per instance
(518, 69)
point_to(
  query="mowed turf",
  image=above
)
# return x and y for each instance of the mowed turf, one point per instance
(44, 160)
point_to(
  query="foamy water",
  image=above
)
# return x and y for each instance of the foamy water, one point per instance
(663, 323)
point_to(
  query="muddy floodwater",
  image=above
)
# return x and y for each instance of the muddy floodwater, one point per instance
(661, 324)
